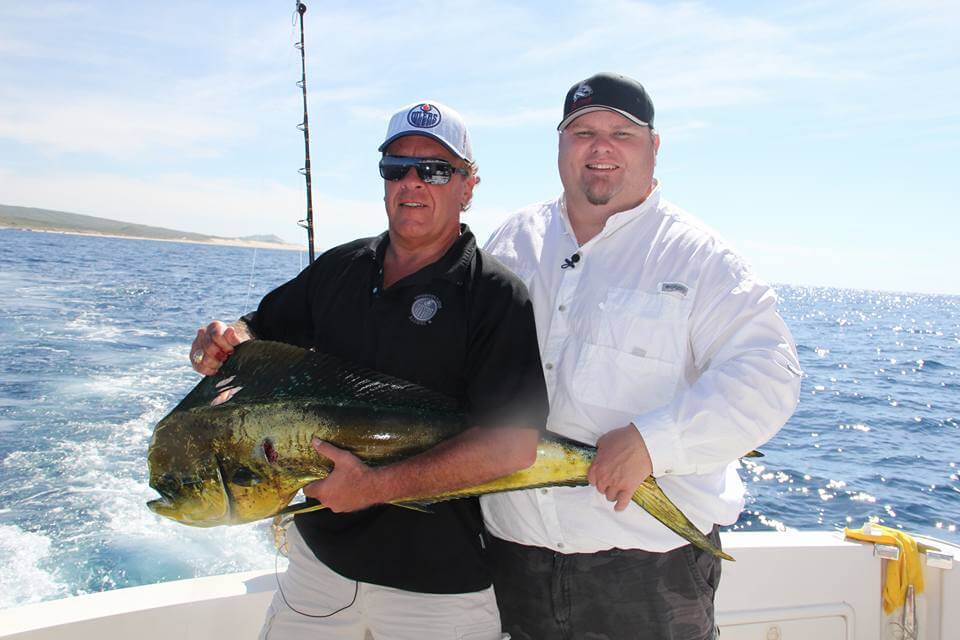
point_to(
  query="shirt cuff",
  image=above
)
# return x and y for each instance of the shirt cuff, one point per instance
(662, 437)
(250, 320)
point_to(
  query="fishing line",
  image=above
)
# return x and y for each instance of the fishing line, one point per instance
(276, 575)
(253, 263)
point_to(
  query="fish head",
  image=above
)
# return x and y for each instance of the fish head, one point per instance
(186, 471)
(209, 472)
(195, 499)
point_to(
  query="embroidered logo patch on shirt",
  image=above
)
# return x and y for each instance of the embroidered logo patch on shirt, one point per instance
(674, 287)
(424, 308)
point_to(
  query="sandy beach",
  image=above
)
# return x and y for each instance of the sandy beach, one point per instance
(224, 242)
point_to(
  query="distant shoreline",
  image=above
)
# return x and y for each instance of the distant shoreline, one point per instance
(219, 242)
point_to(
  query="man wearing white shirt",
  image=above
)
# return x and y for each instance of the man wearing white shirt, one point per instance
(660, 346)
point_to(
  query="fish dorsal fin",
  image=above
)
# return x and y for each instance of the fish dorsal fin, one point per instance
(260, 370)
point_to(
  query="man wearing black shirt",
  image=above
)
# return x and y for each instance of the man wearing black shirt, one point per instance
(423, 303)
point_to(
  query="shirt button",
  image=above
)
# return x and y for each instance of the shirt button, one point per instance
(559, 545)
(544, 491)
(548, 366)
(562, 307)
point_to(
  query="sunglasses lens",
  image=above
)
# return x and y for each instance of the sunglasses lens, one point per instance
(434, 171)
(393, 172)
(430, 171)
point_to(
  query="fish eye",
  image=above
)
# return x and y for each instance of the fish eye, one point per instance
(244, 477)
(170, 485)
(167, 485)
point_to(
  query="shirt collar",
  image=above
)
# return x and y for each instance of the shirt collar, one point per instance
(452, 265)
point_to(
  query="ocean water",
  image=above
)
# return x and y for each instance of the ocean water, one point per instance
(93, 340)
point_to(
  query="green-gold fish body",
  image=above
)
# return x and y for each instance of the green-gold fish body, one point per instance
(238, 447)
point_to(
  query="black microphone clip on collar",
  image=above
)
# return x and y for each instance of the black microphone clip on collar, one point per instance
(571, 262)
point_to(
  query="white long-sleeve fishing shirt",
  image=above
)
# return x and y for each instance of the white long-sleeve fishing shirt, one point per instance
(661, 324)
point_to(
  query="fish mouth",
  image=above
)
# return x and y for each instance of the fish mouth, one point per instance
(158, 505)
(169, 505)
(163, 507)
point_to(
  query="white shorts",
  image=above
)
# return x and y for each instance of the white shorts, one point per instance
(378, 613)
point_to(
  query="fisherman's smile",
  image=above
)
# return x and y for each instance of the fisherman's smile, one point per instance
(600, 166)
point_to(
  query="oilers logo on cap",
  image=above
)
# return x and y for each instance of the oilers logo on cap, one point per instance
(424, 116)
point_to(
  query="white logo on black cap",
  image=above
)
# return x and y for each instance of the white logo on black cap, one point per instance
(424, 308)
(583, 91)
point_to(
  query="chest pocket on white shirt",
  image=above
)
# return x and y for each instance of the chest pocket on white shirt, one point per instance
(633, 352)
(652, 325)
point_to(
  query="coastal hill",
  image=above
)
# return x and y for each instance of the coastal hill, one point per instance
(61, 221)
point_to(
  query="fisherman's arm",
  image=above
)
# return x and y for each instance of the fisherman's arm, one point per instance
(477, 455)
(747, 387)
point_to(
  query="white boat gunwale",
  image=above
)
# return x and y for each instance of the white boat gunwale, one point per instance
(807, 584)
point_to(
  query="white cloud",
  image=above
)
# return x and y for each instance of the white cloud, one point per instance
(545, 117)
(111, 126)
(682, 130)
(45, 10)
(13, 48)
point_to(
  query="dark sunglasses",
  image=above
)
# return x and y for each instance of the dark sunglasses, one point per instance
(430, 170)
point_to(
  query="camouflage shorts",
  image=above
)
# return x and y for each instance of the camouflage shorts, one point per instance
(610, 595)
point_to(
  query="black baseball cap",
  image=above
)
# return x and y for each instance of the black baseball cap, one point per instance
(608, 92)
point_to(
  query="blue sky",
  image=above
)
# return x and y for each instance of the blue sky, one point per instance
(821, 139)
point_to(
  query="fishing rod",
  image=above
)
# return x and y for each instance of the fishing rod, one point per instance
(305, 127)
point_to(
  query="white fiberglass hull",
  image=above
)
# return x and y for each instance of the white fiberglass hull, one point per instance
(803, 585)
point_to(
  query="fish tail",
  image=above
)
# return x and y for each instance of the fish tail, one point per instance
(655, 502)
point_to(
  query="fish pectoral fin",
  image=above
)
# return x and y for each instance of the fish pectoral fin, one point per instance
(422, 507)
(307, 507)
(654, 501)
(300, 507)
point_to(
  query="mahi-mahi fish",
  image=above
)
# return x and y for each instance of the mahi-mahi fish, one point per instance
(238, 447)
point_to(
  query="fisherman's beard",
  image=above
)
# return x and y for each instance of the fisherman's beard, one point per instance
(599, 191)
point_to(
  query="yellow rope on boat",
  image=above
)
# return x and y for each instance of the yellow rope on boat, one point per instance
(901, 573)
